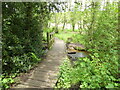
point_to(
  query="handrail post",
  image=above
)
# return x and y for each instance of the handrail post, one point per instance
(48, 40)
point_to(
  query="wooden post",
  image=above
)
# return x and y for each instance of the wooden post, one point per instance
(48, 40)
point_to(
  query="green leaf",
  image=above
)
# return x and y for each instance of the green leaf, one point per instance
(5, 80)
(110, 85)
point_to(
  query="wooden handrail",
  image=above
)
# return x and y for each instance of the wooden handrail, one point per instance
(50, 39)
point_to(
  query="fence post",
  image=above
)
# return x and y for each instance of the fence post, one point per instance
(48, 40)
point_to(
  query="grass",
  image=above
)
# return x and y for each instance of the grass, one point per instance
(65, 35)
(76, 36)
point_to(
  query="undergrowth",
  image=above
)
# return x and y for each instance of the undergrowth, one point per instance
(87, 74)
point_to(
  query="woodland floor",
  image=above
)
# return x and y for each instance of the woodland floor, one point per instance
(46, 73)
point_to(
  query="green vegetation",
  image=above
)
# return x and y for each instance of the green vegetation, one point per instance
(22, 48)
(99, 34)
(25, 25)
(65, 35)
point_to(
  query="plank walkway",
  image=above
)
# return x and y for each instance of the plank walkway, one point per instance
(46, 74)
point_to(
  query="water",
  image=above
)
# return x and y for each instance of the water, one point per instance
(78, 54)
(73, 56)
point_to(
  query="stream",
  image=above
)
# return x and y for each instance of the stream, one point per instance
(78, 54)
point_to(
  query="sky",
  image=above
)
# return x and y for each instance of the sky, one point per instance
(54, 0)
(71, 2)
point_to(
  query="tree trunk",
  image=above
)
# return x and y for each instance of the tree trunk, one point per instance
(56, 25)
(64, 22)
(73, 27)
(63, 26)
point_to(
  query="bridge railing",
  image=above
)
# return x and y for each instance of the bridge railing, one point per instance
(50, 39)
